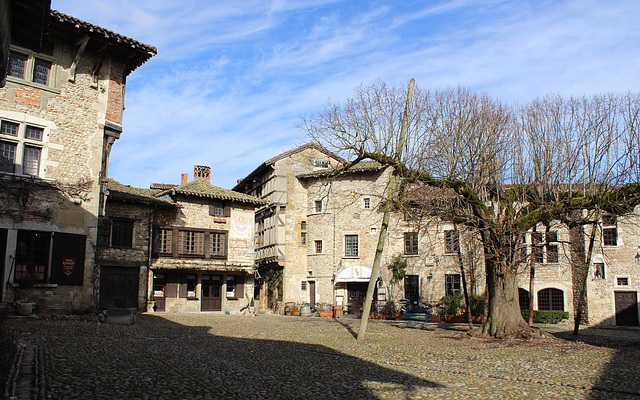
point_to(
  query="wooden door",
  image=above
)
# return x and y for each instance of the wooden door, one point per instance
(211, 296)
(412, 289)
(118, 282)
(626, 308)
(312, 294)
(356, 293)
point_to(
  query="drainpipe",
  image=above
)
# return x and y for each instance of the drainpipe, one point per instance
(149, 246)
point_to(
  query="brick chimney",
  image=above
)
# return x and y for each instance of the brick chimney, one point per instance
(184, 178)
(202, 174)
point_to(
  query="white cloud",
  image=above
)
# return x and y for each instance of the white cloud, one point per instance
(231, 78)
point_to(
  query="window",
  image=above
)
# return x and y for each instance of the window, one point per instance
(235, 286)
(219, 209)
(609, 230)
(231, 286)
(303, 225)
(32, 67)
(536, 249)
(303, 237)
(318, 206)
(451, 242)
(303, 286)
(165, 241)
(552, 247)
(20, 148)
(367, 203)
(351, 245)
(411, 243)
(321, 163)
(121, 233)
(523, 297)
(191, 286)
(551, 300)
(32, 255)
(218, 244)
(622, 281)
(190, 243)
(452, 284)
(318, 246)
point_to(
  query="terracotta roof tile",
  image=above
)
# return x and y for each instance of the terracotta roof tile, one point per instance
(214, 192)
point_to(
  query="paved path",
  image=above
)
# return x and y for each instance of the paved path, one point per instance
(276, 357)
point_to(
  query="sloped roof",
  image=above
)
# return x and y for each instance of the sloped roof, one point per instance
(137, 53)
(362, 166)
(200, 189)
(288, 153)
(126, 193)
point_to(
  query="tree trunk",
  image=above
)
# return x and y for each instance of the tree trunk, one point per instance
(583, 281)
(504, 318)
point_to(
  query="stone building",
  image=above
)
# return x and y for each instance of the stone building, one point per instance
(60, 112)
(281, 223)
(203, 251)
(124, 249)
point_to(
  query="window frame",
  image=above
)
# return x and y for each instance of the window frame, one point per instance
(122, 233)
(451, 241)
(32, 59)
(27, 157)
(366, 203)
(351, 246)
(610, 230)
(411, 243)
(452, 284)
(550, 298)
(318, 246)
(318, 206)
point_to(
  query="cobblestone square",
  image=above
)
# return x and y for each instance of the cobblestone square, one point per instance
(212, 356)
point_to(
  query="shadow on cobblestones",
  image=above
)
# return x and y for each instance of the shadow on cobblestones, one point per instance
(621, 374)
(161, 359)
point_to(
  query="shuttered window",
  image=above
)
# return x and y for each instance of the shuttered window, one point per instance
(190, 243)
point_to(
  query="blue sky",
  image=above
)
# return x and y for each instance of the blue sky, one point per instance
(232, 78)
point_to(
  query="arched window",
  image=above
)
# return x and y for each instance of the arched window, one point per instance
(551, 300)
(523, 296)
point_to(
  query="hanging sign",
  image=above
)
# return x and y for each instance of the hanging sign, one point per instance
(68, 265)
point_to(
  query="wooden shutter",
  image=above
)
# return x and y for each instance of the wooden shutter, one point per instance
(226, 211)
(239, 287)
(67, 261)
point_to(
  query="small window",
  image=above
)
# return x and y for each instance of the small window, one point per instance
(452, 284)
(551, 300)
(303, 237)
(9, 128)
(303, 286)
(321, 163)
(165, 241)
(303, 225)
(8, 157)
(351, 245)
(218, 242)
(451, 242)
(622, 281)
(318, 246)
(610, 236)
(34, 133)
(30, 68)
(536, 249)
(411, 243)
(216, 209)
(191, 286)
(318, 206)
(122, 233)
(552, 247)
(31, 161)
(21, 148)
(231, 286)
(367, 203)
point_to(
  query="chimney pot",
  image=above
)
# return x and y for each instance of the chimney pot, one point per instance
(202, 174)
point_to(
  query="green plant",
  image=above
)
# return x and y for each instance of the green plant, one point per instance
(546, 317)
(390, 309)
(28, 280)
(398, 268)
(152, 296)
(476, 305)
(450, 305)
(251, 303)
(121, 302)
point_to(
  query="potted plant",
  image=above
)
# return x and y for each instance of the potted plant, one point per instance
(326, 310)
(121, 314)
(476, 305)
(450, 305)
(151, 304)
(295, 310)
(390, 309)
(24, 307)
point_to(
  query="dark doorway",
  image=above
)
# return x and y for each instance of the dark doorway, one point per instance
(118, 282)
(357, 291)
(312, 294)
(3, 254)
(211, 293)
(412, 289)
(159, 280)
(626, 308)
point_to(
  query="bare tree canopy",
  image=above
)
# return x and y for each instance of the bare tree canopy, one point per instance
(509, 167)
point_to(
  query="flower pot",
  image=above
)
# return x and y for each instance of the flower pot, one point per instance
(151, 306)
(24, 308)
(382, 316)
(326, 313)
(454, 318)
(398, 317)
(477, 320)
(435, 318)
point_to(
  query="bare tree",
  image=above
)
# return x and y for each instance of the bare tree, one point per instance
(508, 169)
